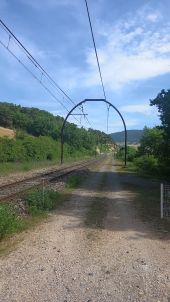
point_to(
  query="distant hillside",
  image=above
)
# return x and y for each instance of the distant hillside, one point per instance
(133, 136)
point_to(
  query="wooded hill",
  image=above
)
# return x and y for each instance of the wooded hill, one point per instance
(38, 135)
(133, 137)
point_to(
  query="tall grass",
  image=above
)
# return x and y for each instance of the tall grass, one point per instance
(40, 200)
(13, 167)
(37, 203)
(10, 222)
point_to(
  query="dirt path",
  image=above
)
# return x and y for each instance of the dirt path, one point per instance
(95, 248)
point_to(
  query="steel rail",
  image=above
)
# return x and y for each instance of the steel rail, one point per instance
(38, 180)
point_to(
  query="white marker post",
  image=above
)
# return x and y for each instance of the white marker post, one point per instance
(162, 199)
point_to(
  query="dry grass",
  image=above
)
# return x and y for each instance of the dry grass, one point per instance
(5, 132)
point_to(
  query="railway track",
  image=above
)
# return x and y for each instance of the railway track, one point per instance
(11, 190)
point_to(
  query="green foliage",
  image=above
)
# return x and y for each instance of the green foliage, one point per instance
(28, 148)
(10, 222)
(147, 164)
(152, 142)
(131, 153)
(38, 136)
(41, 200)
(37, 202)
(74, 181)
(162, 102)
(153, 156)
(10, 167)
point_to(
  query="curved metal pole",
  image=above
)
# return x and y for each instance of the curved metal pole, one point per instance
(92, 100)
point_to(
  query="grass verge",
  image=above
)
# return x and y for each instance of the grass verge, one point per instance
(9, 168)
(133, 169)
(41, 200)
(37, 204)
(14, 167)
(10, 222)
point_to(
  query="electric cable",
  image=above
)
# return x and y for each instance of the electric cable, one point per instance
(35, 77)
(97, 58)
(95, 48)
(34, 62)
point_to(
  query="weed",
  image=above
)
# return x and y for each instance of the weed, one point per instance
(12, 167)
(10, 222)
(74, 181)
(40, 200)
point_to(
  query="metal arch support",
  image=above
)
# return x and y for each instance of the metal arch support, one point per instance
(92, 100)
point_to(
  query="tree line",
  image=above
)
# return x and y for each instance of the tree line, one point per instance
(153, 154)
(38, 135)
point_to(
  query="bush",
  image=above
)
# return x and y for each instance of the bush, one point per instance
(131, 153)
(41, 200)
(10, 222)
(73, 181)
(147, 164)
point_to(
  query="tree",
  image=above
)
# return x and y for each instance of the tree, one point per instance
(152, 142)
(162, 101)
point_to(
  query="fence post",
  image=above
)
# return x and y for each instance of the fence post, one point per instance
(162, 200)
(43, 189)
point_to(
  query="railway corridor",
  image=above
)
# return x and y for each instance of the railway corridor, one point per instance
(94, 248)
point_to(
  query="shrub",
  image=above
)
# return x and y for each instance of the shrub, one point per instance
(73, 181)
(131, 153)
(147, 164)
(41, 200)
(10, 222)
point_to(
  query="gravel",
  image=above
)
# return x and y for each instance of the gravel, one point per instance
(63, 259)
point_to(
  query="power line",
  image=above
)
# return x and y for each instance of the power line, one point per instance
(33, 60)
(94, 43)
(33, 75)
(97, 59)
(85, 115)
(36, 64)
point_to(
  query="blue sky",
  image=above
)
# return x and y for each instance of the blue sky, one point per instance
(133, 42)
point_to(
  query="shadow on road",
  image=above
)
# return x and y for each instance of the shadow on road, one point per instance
(118, 202)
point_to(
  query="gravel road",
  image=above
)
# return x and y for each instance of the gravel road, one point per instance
(72, 258)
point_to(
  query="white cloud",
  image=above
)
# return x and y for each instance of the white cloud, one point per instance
(153, 17)
(137, 108)
(135, 49)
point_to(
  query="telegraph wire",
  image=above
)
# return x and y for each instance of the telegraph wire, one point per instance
(97, 59)
(27, 69)
(95, 48)
(33, 60)
(35, 77)
(36, 64)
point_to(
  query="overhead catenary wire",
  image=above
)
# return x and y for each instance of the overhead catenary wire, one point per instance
(33, 60)
(43, 72)
(33, 75)
(97, 59)
(95, 49)
(36, 78)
